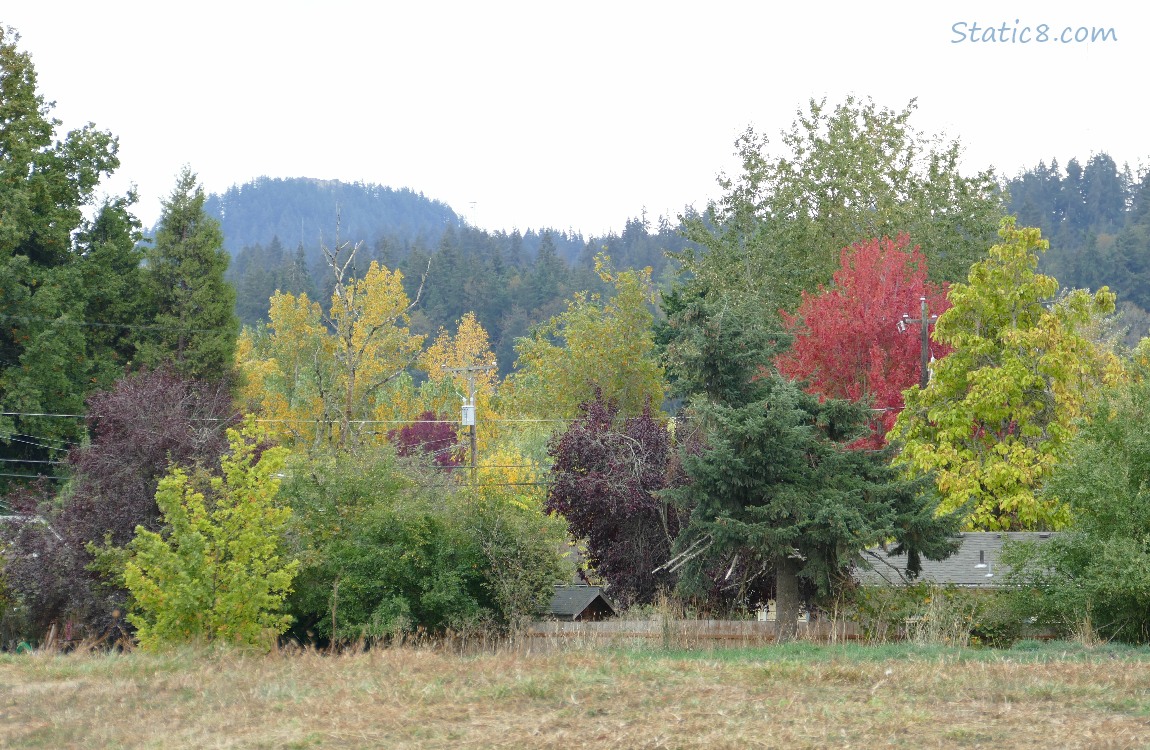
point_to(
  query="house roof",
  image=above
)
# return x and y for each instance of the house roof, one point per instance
(572, 600)
(976, 563)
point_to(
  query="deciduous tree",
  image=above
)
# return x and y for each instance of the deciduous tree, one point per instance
(596, 344)
(606, 478)
(1097, 574)
(842, 175)
(145, 421)
(218, 570)
(999, 413)
(847, 342)
(319, 374)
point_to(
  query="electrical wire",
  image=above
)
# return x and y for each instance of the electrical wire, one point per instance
(31, 476)
(299, 420)
(90, 324)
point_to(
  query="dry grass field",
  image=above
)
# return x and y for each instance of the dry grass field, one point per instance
(796, 696)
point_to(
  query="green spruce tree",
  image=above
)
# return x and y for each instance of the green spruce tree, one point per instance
(775, 488)
(195, 326)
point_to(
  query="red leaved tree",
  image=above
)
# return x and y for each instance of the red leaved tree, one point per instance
(431, 436)
(847, 340)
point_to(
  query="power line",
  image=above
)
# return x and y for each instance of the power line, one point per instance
(37, 441)
(31, 476)
(91, 324)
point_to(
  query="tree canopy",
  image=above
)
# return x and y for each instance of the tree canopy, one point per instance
(843, 175)
(596, 344)
(848, 342)
(195, 326)
(1097, 574)
(607, 476)
(777, 491)
(1000, 410)
(56, 269)
(319, 373)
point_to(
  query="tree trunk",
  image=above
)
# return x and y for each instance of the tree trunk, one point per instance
(786, 597)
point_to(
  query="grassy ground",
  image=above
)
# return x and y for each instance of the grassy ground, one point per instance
(797, 696)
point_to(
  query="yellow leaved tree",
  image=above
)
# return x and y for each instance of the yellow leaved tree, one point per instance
(316, 375)
(445, 362)
(1001, 408)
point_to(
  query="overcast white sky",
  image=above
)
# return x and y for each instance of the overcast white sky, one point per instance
(568, 115)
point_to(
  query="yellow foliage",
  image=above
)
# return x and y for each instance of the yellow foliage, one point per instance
(315, 377)
(505, 475)
(1001, 408)
(470, 346)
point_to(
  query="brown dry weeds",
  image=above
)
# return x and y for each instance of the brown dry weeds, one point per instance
(419, 698)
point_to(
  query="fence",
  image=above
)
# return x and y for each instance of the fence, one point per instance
(685, 633)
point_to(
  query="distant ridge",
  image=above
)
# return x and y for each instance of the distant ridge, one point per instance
(303, 210)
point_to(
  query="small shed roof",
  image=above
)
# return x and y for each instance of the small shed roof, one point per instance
(976, 563)
(571, 601)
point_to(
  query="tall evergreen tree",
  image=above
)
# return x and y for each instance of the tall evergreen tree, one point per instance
(51, 355)
(775, 491)
(195, 325)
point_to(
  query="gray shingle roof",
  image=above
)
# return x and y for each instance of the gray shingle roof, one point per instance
(975, 564)
(572, 600)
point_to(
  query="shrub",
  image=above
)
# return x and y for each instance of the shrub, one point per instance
(927, 613)
(145, 422)
(389, 547)
(1096, 577)
(217, 571)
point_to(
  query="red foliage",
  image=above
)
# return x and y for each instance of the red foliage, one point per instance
(847, 343)
(432, 436)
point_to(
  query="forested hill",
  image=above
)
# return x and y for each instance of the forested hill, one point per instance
(273, 229)
(1097, 218)
(303, 211)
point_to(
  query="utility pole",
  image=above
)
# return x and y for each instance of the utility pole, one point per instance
(924, 321)
(468, 419)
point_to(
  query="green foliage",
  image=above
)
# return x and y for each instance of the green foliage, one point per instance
(387, 550)
(777, 488)
(716, 345)
(523, 548)
(931, 614)
(55, 267)
(843, 175)
(1097, 573)
(195, 326)
(1000, 409)
(217, 572)
(595, 345)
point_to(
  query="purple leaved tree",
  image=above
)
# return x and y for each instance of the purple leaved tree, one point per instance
(606, 480)
(147, 421)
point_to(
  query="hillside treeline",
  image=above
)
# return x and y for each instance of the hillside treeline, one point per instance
(510, 280)
(1097, 218)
